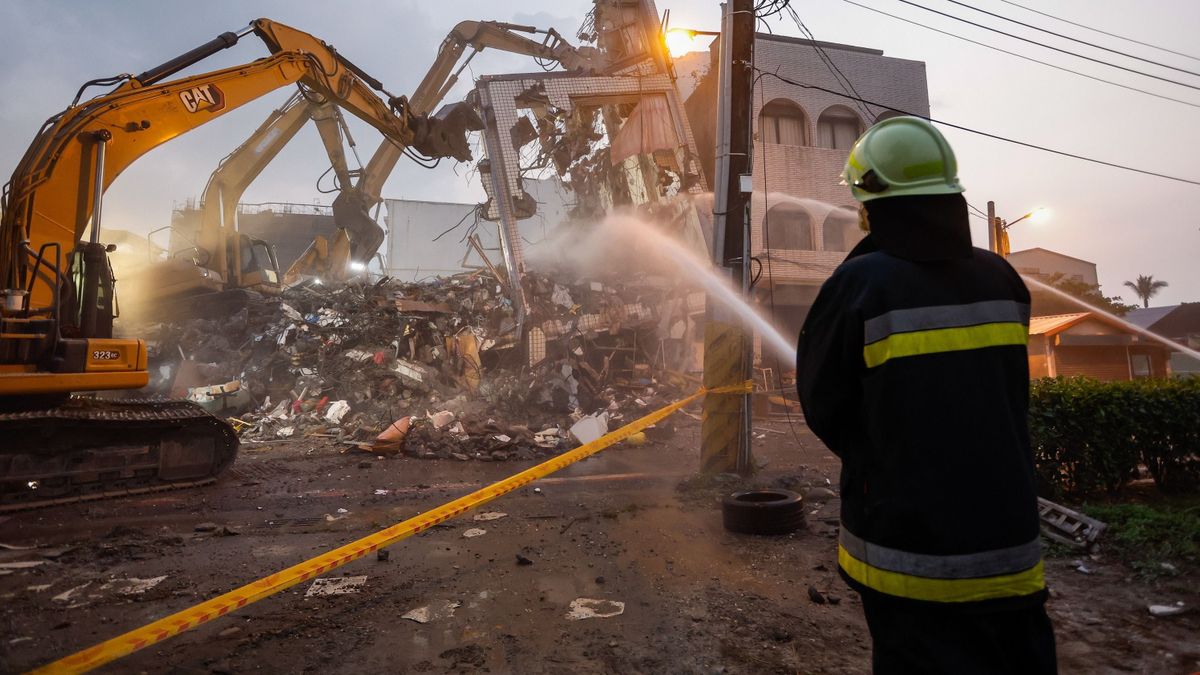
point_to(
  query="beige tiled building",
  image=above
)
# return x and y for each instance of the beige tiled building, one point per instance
(802, 220)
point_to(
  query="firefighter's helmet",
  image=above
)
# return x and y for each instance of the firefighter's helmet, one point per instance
(898, 157)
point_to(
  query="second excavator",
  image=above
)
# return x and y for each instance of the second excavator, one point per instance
(208, 279)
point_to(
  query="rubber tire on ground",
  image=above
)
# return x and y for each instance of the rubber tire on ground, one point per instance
(763, 512)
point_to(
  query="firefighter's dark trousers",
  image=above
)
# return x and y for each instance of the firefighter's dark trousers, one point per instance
(952, 641)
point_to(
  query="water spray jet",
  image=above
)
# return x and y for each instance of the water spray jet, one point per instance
(1132, 327)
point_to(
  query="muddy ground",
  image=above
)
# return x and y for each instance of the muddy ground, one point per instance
(627, 526)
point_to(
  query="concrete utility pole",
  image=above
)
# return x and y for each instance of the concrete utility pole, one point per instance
(728, 357)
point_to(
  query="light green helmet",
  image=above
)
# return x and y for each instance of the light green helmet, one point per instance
(901, 156)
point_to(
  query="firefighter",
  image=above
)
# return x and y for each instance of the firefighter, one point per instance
(912, 368)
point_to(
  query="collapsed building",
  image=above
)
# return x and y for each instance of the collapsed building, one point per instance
(427, 366)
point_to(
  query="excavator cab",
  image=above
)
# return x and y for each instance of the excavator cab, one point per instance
(92, 273)
(259, 269)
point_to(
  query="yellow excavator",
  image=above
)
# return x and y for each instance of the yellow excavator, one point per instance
(209, 279)
(225, 268)
(57, 292)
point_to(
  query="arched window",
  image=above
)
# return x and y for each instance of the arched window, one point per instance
(838, 127)
(887, 115)
(788, 227)
(840, 229)
(782, 122)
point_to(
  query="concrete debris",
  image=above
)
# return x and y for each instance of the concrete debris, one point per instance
(336, 411)
(439, 610)
(132, 586)
(1162, 611)
(591, 608)
(336, 586)
(441, 419)
(229, 398)
(474, 532)
(67, 595)
(590, 428)
(433, 369)
(490, 515)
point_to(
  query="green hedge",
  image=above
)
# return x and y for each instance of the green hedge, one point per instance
(1089, 436)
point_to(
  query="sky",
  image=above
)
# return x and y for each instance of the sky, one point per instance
(1129, 224)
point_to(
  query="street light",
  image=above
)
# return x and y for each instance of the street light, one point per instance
(1038, 215)
(680, 41)
(998, 227)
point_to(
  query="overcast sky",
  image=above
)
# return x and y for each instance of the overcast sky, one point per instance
(1127, 223)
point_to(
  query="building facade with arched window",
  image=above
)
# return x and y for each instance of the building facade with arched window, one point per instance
(803, 220)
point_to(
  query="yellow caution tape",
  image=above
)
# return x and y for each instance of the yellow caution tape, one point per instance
(158, 631)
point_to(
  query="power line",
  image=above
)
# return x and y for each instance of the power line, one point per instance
(1057, 49)
(1022, 56)
(837, 73)
(1063, 153)
(1068, 37)
(978, 210)
(1102, 32)
(766, 237)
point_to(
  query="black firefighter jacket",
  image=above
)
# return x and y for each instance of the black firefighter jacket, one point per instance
(912, 368)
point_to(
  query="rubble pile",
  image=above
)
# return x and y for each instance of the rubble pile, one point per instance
(431, 369)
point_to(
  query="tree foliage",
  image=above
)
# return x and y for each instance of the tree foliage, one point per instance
(1146, 287)
(1046, 302)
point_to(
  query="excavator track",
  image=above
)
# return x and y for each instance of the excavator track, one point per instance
(91, 448)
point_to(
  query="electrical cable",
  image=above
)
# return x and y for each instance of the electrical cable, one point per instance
(474, 210)
(976, 209)
(766, 238)
(1022, 56)
(1068, 37)
(1057, 49)
(997, 137)
(1102, 32)
(843, 81)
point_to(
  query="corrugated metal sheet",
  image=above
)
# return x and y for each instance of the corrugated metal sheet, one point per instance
(1049, 325)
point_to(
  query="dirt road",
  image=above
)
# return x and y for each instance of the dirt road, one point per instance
(623, 527)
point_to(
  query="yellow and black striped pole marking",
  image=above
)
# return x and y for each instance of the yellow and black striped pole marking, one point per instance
(162, 629)
(721, 422)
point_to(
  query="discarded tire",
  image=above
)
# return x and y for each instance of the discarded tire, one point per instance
(763, 512)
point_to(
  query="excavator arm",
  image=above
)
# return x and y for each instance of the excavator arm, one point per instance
(443, 75)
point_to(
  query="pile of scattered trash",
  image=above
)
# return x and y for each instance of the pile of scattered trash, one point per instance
(430, 369)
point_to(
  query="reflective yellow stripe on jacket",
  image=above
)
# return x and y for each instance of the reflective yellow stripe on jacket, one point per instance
(944, 328)
(988, 575)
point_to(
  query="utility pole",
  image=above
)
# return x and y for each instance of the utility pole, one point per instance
(991, 213)
(998, 231)
(728, 345)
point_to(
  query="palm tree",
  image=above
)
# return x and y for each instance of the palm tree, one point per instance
(1146, 287)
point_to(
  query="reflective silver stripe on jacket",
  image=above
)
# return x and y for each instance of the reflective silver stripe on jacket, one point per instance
(944, 316)
(967, 566)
